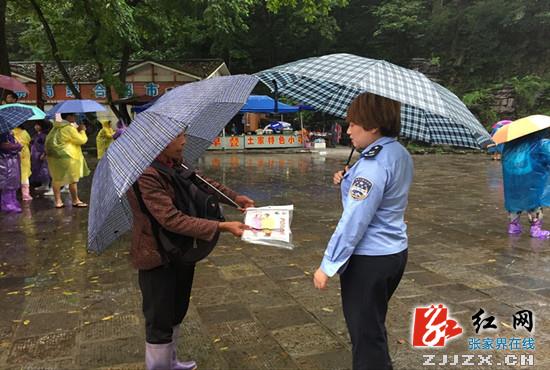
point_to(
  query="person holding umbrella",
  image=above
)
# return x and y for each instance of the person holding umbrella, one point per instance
(11, 116)
(369, 246)
(66, 162)
(135, 189)
(526, 172)
(166, 284)
(10, 173)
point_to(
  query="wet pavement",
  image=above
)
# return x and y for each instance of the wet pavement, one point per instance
(254, 307)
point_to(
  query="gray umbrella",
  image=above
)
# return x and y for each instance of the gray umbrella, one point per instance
(429, 112)
(202, 109)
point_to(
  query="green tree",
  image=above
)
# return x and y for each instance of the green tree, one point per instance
(4, 57)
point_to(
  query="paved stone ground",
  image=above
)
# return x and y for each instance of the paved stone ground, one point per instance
(254, 307)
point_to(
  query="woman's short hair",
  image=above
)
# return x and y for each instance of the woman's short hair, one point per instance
(374, 111)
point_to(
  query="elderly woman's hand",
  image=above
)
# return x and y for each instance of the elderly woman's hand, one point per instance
(244, 202)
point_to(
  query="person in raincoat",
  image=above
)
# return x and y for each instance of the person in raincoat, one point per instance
(526, 176)
(65, 159)
(104, 137)
(23, 138)
(10, 173)
(39, 163)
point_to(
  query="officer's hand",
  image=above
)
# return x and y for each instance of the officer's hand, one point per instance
(320, 279)
(244, 202)
(338, 176)
(234, 227)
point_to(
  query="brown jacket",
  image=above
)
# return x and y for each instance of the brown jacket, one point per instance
(159, 197)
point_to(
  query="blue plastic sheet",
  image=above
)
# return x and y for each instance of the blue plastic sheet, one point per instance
(526, 173)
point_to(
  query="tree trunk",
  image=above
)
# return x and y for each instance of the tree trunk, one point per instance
(124, 62)
(100, 65)
(4, 57)
(55, 52)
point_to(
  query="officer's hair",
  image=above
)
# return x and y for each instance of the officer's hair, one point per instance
(374, 111)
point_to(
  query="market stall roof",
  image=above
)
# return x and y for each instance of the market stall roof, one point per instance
(254, 104)
(265, 104)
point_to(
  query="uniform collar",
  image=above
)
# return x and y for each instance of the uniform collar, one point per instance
(381, 141)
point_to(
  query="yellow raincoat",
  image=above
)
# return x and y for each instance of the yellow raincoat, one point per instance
(63, 149)
(23, 138)
(104, 137)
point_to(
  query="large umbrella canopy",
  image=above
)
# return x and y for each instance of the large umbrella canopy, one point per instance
(10, 83)
(12, 116)
(521, 127)
(76, 106)
(201, 109)
(37, 113)
(429, 112)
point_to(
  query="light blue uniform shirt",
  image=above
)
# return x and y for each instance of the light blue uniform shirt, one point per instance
(374, 196)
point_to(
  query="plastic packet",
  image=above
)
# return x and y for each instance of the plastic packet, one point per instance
(270, 226)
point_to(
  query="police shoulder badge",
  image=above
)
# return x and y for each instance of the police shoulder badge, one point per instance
(373, 152)
(360, 188)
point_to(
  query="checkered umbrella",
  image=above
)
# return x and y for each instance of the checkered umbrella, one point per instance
(202, 109)
(12, 116)
(429, 112)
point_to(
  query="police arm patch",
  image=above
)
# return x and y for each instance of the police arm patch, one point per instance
(360, 188)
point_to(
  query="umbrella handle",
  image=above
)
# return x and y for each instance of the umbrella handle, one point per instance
(213, 188)
(349, 158)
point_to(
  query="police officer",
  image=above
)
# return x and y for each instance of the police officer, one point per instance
(369, 246)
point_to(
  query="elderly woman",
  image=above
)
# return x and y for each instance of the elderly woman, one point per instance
(65, 159)
(165, 282)
(10, 173)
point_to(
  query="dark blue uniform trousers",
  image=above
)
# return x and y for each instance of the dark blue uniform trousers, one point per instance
(367, 285)
(166, 291)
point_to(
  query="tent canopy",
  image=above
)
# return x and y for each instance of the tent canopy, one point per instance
(254, 104)
(265, 104)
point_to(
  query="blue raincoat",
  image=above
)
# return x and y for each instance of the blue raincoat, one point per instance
(526, 172)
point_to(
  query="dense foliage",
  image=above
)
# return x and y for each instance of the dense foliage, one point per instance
(477, 45)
